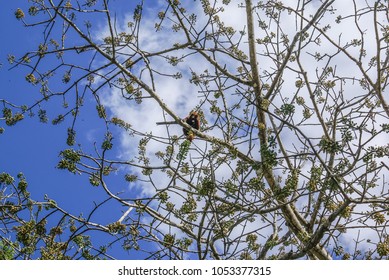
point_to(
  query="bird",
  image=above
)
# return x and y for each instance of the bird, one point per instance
(194, 121)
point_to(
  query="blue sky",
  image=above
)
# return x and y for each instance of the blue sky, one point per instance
(32, 147)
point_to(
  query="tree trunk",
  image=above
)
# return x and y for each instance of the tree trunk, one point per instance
(293, 219)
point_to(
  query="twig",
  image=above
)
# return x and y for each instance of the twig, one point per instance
(162, 123)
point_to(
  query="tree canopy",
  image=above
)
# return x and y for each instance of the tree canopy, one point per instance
(291, 157)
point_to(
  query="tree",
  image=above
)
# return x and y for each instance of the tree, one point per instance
(289, 161)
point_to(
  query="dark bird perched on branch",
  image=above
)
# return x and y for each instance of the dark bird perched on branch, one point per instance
(194, 121)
